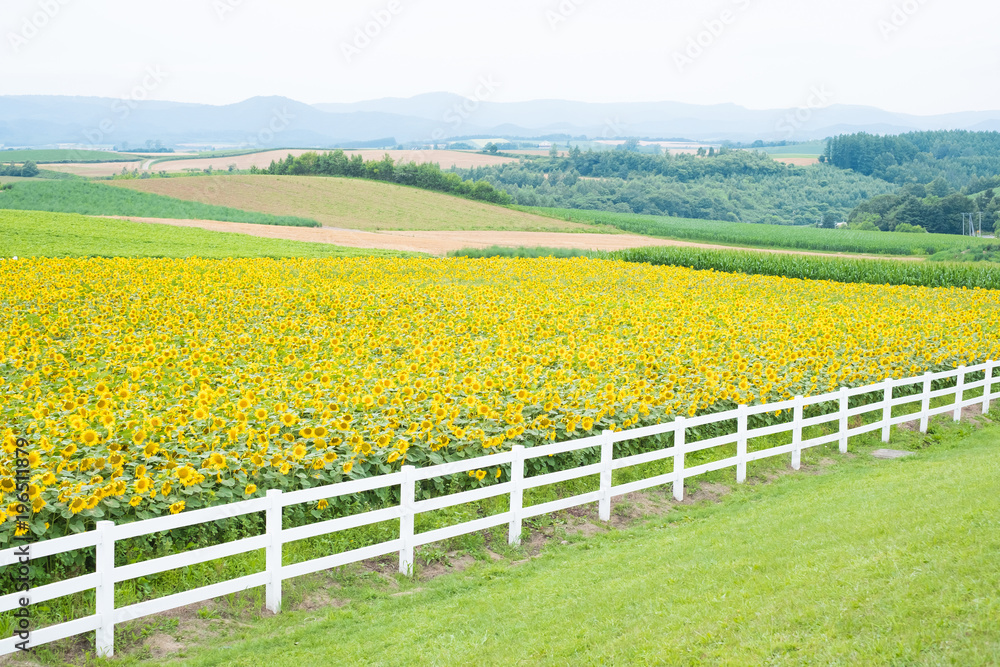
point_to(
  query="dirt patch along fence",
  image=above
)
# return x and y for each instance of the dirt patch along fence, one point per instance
(829, 410)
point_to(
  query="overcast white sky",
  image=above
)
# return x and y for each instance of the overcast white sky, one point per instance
(916, 56)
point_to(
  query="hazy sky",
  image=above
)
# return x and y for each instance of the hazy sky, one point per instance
(917, 56)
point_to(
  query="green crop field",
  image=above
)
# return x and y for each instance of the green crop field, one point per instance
(43, 234)
(766, 236)
(43, 175)
(984, 275)
(806, 149)
(986, 253)
(78, 196)
(65, 155)
(351, 203)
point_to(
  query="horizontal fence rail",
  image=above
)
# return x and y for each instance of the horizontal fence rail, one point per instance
(104, 538)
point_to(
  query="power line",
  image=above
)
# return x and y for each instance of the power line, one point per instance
(971, 226)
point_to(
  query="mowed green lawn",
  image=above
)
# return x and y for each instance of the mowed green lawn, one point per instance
(871, 563)
(45, 234)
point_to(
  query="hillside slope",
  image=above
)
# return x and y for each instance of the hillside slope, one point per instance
(91, 198)
(44, 234)
(352, 203)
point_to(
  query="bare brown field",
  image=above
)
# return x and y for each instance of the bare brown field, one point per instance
(797, 161)
(443, 242)
(350, 203)
(92, 169)
(431, 242)
(259, 160)
(446, 159)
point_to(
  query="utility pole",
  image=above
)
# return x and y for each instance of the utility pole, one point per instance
(972, 224)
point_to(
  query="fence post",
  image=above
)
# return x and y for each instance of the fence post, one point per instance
(516, 495)
(607, 457)
(925, 404)
(887, 411)
(679, 441)
(272, 554)
(959, 393)
(845, 404)
(407, 498)
(988, 388)
(798, 415)
(741, 444)
(105, 590)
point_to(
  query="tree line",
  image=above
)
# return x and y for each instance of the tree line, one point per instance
(934, 208)
(27, 170)
(943, 174)
(734, 185)
(425, 176)
(960, 157)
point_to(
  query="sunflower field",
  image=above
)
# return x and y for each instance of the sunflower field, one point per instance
(149, 386)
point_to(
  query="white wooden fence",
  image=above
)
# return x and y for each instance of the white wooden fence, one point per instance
(103, 580)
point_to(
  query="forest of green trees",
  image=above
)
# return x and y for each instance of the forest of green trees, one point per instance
(735, 185)
(425, 176)
(930, 208)
(943, 175)
(957, 156)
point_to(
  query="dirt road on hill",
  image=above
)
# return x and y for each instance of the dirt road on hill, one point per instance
(443, 242)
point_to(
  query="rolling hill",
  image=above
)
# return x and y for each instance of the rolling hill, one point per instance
(351, 203)
(90, 198)
(43, 234)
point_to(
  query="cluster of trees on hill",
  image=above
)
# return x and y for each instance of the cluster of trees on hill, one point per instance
(425, 176)
(957, 156)
(944, 175)
(27, 170)
(733, 185)
(151, 146)
(935, 208)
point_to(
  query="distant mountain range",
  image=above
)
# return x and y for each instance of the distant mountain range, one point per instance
(435, 117)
